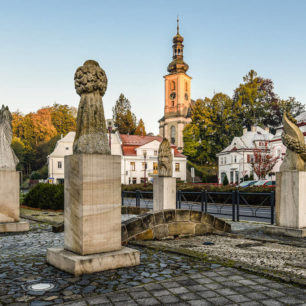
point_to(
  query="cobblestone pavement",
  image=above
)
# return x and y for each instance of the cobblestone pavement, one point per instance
(222, 286)
(161, 278)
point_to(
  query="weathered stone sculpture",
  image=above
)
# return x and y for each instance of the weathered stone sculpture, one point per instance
(164, 186)
(9, 178)
(90, 83)
(293, 139)
(8, 159)
(165, 159)
(92, 189)
(290, 201)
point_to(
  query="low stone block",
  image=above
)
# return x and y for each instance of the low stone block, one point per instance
(124, 233)
(202, 229)
(227, 228)
(159, 218)
(78, 265)
(161, 231)
(148, 220)
(206, 218)
(147, 235)
(13, 227)
(285, 231)
(169, 215)
(181, 228)
(134, 227)
(195, 216)
(182, 215)
(164, 193)
(219, 224)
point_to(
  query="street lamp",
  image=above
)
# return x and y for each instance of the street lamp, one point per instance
(110, 128)
(145, 167)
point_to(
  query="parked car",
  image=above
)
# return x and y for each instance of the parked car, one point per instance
(264, 183)
(246, 183)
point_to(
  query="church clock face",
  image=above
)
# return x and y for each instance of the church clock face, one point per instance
(172, 95)
(186, 96)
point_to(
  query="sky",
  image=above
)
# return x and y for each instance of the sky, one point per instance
(42, 43)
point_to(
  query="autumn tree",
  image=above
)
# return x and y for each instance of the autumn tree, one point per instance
(63, 118)
(140, 129)
(263, 161)
(124, 119)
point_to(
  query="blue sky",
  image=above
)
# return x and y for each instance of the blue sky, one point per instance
(43, 42)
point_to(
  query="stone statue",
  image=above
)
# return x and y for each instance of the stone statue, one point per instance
(293, 139)
(165, 159)
(8, 159)
(90, 83)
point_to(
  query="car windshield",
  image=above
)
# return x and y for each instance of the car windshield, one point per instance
(259, 183)
(246, 183)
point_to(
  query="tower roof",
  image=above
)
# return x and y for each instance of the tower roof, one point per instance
(177, 65)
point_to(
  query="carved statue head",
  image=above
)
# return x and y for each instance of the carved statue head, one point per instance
(90, 78)
(165, 159)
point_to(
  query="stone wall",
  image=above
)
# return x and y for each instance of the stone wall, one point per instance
(171, 223)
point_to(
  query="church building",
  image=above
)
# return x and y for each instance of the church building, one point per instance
(177, 96)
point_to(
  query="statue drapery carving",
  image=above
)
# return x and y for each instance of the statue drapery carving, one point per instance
(165, 159)
(90, 83)
(293, 139)
(8, 159)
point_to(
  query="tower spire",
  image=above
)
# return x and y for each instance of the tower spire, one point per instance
(178, 25)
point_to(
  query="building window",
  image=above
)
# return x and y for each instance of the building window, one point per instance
(186, 86)
(67, 148)
(129, 180)
(172, 134)
(144, 166)
(134, 180)
(224, 160)
(155, 168)
(155, 152)
(250, 158)
(132, 166)
(172, 85)
(177, 167)
(143, 180)
(59, 165)
(235, 159)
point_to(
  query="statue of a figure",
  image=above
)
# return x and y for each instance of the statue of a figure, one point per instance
(293, 139)
(165, 159)
(8, 159)
(90, 83)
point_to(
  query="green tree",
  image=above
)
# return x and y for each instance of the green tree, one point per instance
(124, 119)
(140, 129)
(213, 126)
(225, 180)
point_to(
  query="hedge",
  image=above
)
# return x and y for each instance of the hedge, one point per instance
(45, 196)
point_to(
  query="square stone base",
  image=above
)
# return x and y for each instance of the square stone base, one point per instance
(12, 227)
(78, 264)
(164, 193)
(285, 231)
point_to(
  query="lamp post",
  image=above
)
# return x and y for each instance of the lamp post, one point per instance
(145, 167)
(110, 128)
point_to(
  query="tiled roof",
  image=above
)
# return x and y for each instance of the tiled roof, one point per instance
(131, 142)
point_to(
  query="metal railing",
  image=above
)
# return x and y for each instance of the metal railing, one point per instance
(234, 204)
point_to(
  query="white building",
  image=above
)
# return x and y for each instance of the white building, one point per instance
(234, 160)
(138, 158)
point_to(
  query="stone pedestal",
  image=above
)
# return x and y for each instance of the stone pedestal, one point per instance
(92, 215)
(290, 204)
(164, 193)
(9, 203)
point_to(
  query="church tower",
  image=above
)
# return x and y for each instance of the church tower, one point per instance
(177, 96)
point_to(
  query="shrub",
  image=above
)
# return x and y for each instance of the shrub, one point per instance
(45, 196)
(225, 181)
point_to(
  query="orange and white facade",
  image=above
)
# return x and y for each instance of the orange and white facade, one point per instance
(138, 158)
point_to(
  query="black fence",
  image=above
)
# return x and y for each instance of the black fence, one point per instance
(234, 204)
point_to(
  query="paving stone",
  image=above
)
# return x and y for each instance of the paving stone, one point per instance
(171, 284)
(273, 293)
(139, 294)
(178, 290)
(243, 289)
(214, 286)
(208, 294)
(219, 300)
(199, 303)
(97, 300)
(157, 293)
(167, 299)
(117, 297)
(290, 300)
(188, 296)
(226, 291)
(256, 296)
(271, 302)
(148, 301)
(238, 298)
